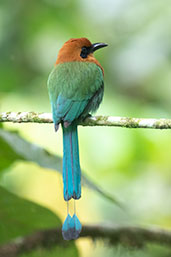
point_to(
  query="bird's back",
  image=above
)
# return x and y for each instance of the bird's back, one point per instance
(76, 87)
(75, 80)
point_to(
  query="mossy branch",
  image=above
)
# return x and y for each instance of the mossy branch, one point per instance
(126, 236)
(19, 117)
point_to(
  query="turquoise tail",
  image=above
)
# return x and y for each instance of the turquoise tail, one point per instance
(71, 179)
(71, 227)
(71, 164)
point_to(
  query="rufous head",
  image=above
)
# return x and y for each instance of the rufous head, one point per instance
(80, 50)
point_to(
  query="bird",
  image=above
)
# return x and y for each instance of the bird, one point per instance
(75, 88)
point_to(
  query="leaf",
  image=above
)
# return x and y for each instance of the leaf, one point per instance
(19, 217)
(7, 154)
(93, 186)
(31, 152)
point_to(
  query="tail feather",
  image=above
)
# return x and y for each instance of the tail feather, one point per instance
(71, 164)
(71, 227)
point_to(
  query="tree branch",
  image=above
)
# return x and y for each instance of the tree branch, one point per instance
(127, 236)
(19, 117)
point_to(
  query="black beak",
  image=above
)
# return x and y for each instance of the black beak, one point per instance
(97, 46)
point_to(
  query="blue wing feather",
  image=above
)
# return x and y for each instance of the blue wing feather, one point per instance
(67, 109)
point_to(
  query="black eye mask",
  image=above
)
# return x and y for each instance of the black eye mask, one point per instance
(85, 51)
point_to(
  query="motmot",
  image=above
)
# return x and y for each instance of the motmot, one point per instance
(75, 87)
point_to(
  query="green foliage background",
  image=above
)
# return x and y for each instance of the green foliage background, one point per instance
(133, 165)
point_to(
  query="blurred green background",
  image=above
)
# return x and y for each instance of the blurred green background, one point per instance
(132, 164)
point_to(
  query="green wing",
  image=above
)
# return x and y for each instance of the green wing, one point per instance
(75, 89)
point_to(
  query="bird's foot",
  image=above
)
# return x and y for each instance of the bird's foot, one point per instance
(88, 116)
(82, 119)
